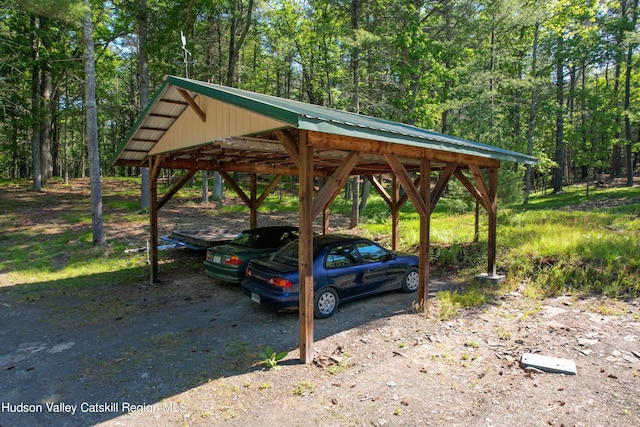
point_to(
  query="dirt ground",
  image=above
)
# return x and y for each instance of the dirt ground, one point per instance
(186, 351)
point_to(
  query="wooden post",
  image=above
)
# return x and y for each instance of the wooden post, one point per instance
(493, 214)
(305, 248)
(325, 212)
(425, 227)
(253, 206)
(395, 213)
(154, 172)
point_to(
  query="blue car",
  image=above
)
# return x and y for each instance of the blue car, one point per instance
(345, 268)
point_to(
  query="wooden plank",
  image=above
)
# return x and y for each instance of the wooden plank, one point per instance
(406, 181)
(330, 189)
(347, 143)
(268, 190)
(231, 166)
(471, 188)
(193, 105)
(378, 187)
(441, 184)
(305, 249)
(403, 199)
(481, 187)
(236, 188)
(176, 187)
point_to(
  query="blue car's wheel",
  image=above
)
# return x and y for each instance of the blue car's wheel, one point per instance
(325, 303)
(410, 280)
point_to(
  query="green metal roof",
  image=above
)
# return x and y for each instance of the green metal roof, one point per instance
(323, 119)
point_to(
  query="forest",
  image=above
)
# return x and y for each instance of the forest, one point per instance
(554, 79)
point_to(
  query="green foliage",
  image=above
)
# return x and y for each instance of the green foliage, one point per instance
(453, 68)
(452, 301)
(270, 358)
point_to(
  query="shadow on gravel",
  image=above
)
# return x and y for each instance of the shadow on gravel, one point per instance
(84, 354)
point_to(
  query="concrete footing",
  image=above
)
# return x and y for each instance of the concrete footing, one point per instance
(494, 279)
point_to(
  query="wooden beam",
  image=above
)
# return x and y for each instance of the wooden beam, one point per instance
(470, 187)
(305, 249)
(268, 190)
(253, 206)
(403, 199)
(482, 187)
(425, 226)
(347, 143)
(331, 188)
(395, 213)
(155, 164)
(380, 189)
(230, 166)
(392, 200)
(405, 180)
(193, 105)
(235, 187)
(441, 184)
(325, 213)
(289, 144)
(176, 187)
(493, 213)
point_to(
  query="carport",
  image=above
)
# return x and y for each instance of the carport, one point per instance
(194, 126)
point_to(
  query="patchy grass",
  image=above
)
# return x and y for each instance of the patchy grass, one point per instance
(555, 244)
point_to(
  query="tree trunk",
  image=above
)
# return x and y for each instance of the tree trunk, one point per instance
(532, 110)
(143, 64)
(45, 127)
(627, 100)
(235, 46)
(366, 192)
(355, 214)
(205, 187)
(217, 192)
(92, 126)
(65, 159)
(355, 60)
(35, 107)
(557, 183)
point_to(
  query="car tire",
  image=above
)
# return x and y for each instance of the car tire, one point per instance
(325, 303)
(410, 280)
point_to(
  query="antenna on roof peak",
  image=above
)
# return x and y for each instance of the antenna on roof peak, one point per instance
(186, 53)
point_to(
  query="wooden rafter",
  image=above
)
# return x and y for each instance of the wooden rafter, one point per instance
(193, 105)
